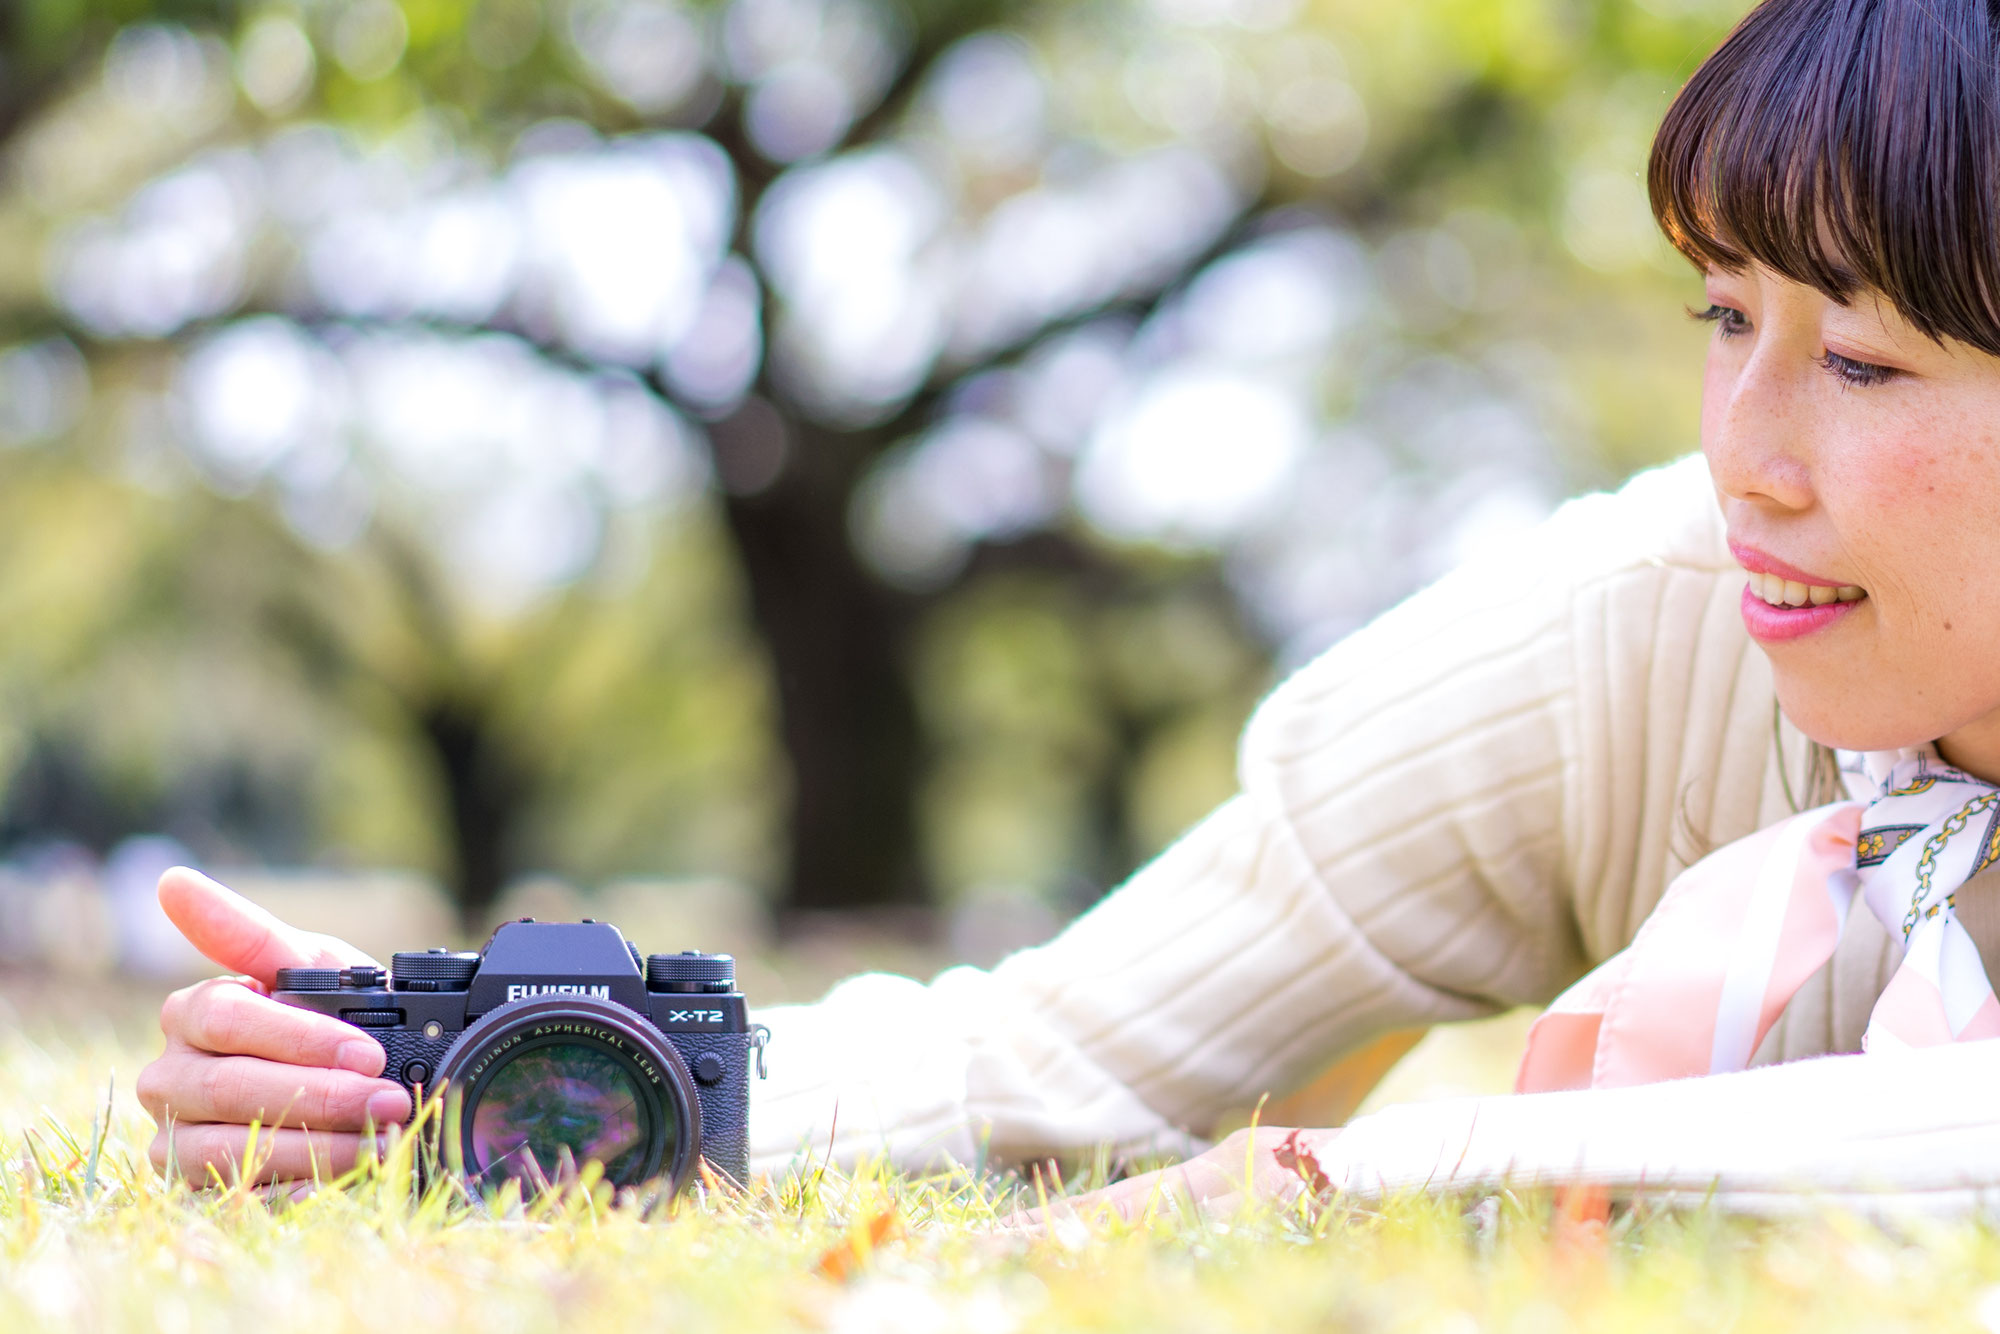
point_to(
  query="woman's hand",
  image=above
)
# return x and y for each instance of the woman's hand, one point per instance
(235, 1056)
(1267, 1163)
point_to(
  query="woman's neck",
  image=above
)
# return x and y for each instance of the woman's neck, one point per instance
(1974, 749)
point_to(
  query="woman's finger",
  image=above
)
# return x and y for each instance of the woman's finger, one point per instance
(1131, 1199)
(194, 1087)
(1244, 1167)
(241, 936)
(207, 1155)
(224, 1016)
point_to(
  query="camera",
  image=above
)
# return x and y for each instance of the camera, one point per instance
(557, 1045)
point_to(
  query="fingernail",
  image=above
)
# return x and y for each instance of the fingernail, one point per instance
(390, 1107)
(361, 1056)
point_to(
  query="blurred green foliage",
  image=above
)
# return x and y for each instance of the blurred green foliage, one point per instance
(1043, 704)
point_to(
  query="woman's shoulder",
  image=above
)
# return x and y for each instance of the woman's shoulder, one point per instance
(1663, 523)
(1594, 589)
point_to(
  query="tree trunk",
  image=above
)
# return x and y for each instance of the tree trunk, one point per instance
(485, 797)
(837, 643)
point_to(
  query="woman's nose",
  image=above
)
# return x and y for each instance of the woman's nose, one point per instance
(1754, 432)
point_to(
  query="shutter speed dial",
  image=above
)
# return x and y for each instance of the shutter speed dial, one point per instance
(433, 970)
(690, 972)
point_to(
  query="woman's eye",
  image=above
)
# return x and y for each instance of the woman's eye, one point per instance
(1728, 320)
(1860, 374)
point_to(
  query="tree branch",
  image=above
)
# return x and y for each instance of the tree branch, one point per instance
(965, 18)
(948, 376)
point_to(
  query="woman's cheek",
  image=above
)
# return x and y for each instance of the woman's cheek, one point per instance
(1891, 500)
(1718, 384)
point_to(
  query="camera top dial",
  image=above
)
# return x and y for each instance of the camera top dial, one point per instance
(690, 971)
(432, 970)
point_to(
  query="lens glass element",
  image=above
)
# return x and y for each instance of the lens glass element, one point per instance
(557, 1106)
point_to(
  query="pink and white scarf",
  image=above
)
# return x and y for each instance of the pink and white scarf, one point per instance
(1740, 931)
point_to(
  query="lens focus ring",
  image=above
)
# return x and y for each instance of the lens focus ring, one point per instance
(577, 1054)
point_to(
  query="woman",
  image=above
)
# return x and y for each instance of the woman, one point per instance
(1482, 796)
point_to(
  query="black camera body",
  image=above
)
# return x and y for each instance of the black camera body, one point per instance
(557, 1045)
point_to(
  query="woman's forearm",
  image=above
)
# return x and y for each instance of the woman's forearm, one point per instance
(1129, 1030)
(1888, 1133)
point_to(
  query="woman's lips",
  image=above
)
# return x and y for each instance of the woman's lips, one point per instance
(1768, 624)
(1762, 562)
(1781, 601)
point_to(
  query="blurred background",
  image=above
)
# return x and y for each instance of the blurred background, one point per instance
(822, 479)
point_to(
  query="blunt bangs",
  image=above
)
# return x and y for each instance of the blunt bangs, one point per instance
(1848, 145)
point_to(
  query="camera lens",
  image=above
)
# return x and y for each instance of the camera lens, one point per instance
(539, 1087)
(552, 1108)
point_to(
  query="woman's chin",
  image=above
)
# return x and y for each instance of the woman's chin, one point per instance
(1837, 720)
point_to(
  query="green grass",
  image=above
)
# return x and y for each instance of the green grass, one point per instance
(90, 1239)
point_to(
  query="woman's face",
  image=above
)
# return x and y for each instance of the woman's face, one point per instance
(1859, 462)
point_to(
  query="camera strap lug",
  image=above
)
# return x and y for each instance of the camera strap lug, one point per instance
(760, 1037)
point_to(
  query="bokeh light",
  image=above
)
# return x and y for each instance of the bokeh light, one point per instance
(603, 437)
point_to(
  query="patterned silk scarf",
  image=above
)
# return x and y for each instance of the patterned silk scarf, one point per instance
(1740, 931)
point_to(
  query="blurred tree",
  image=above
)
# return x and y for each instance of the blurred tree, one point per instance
(1212, 324)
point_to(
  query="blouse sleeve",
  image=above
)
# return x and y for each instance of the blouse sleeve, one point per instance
(1884, 1135)
(1457, 809)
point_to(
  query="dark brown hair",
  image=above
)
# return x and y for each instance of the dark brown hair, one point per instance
(1848, 145)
